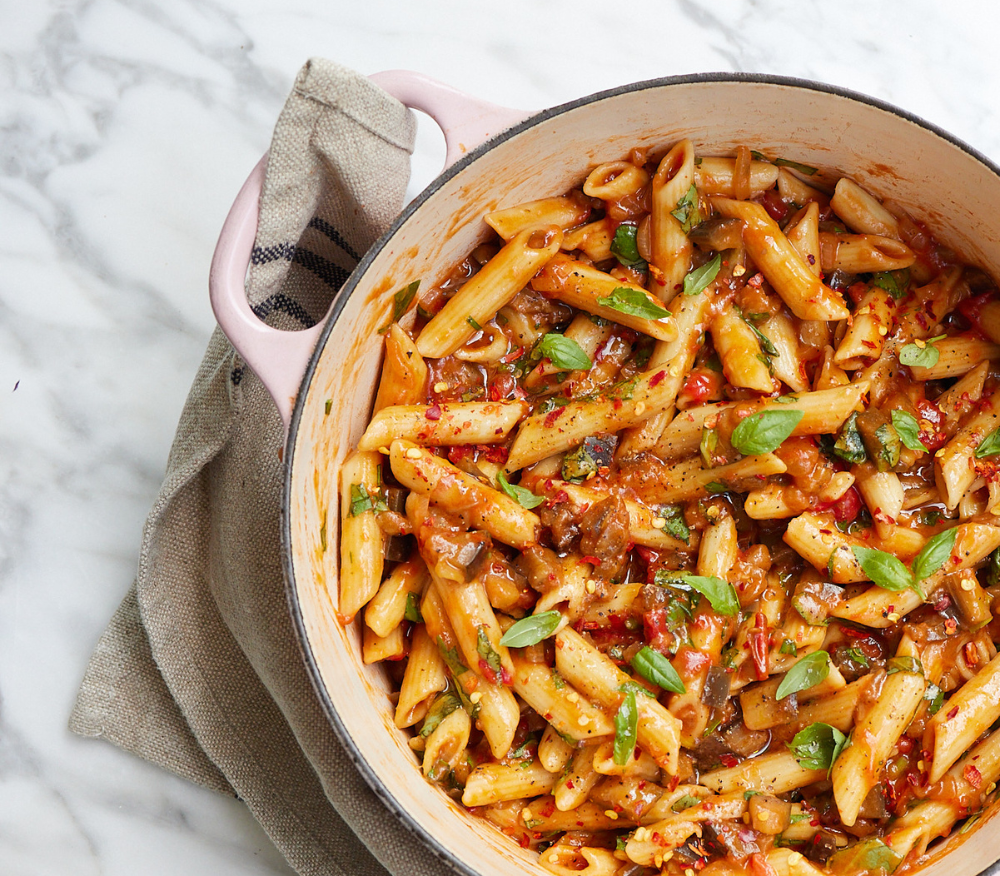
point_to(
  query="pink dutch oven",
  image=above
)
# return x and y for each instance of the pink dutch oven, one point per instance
(497, 157)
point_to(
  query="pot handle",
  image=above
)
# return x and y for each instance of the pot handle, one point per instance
(280, 358)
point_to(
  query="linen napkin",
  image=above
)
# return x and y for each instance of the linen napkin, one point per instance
(199, 670)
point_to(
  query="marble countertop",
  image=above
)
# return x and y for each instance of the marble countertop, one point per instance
(128, 126)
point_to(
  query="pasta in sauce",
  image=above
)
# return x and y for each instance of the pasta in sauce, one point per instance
(676, 524)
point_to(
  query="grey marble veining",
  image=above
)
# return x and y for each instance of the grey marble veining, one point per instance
(127, 128)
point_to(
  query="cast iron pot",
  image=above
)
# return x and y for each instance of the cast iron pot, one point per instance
(525, 156)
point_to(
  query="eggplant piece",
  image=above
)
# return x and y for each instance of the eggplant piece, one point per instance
(595, 452)
(718, 234)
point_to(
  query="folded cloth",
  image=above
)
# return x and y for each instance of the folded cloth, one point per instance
(199, 670)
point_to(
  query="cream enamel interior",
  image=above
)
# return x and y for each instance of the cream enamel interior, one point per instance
(893, 156)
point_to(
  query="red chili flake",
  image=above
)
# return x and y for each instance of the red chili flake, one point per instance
(552, 416)
(512, 356)
(657, 378)
(594, 561)
(486, 671)
(433, 412)
(952, 713)
(569, 784)
(973, 776)
(971, 654)
(617, 404)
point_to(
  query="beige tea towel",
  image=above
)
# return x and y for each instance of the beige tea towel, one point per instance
(199, 670)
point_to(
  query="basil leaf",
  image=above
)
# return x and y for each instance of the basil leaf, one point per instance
(889, 447)
(685, 802)
(675, 524)
(935, 696)
(816, 747)
(884, 569)
(795, 165)
(624, 247)
(870, 856)
(894, 282)
(563, 352)
(699, 278)
(654, 667)
(908, 430)
(401, 302)
(934, 554)
(362, 500)
(808, 672)
(708, 445)
(635, 687)
(531, 630)
(764, 431)
(990, 445)
(905, 664)
(440, 709)
(412, 610)
(485, 649)
(765, 342)
(788, 647)
(924, 357)
(634, 302)
(687, 212)
(849, 445)
(522, 495)
(716, 487)
(626, 722)
(719, 593)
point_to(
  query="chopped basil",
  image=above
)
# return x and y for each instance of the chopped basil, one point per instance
(884, 569)
(633, 302)
(808, 672)
(687, 212)
(795, 165)
(675, 524)
(487, 652)
(684, 802)
(699, 278)
(412, 610)
(362, 501)
(849, 446)
(989, 446)
(719, 593)
(328, 407)
(626, 724)
(935, 696)
(905, 664)
(817, 746)
(788, 647)
(624, 247)
(889, 447)
(894, 282)
(923, 356)
(401, 302)
(856, 655)
(522, 495)
(474, 324)
(531, 630)
(764, 431)
(870, 856)
(908, 430)
(758, 156)
(635, 687)
(934, 553)
(654, 667)
(440, 709)
(765, 342)
(716, 487)
(563, 352)
(708, 445)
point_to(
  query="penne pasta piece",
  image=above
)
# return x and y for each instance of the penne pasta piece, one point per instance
(376, 648)
(955, 464)
(788, 365)
(669, 245)
(836, 709)
(861, 211)
(803, 234)
(448, 423)
(691, 480)
(404, 372)
(562, 212)
(769, 503)
(761, 709)
(554, 752)
(793, 189)
(423, 678)
(450, 487)
(714, 176)
(743, 361)
(360, 536)
(777, 772)
(614, 180)
(815, 538)
(593, 240)
(497, 282)
(495, 783)
(804, 293)
(957, 356)
(989, 320)
(543, 815)
(446, 744)
(583, 331)
(387, 608)
(863, 253)
(872, 322)
(582, 286)
(573, 788)
(565, 860)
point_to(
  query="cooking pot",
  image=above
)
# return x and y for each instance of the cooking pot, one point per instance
(934, 176)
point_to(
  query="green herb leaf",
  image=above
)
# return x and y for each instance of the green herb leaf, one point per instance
(808, 672)
(716, 487)
(889, 447)
(719, 593)
(675, 524)
(758, 156)
(654, 667)
(684, 802)
(884, 569)
(989, 446)
(908, 429)
(788, 647)
(765, 342)
(764, 431)
(634, 302)
(401, 302)
(412, 610)
(894, 282)
(849, 445)
(924, 357)
(870, 856)
(474, 324)
(934, 554)
(795, 165)
(816, 747)
(363, 501)
(856, 655)
(905, 664)
(563, 352)
(687, 212)
(624, 247)
(485, 649)
(531, 630)
(708, 445)
(626, 723)
(699, 278)
(935, 696)
(635, 687)
(328, 407)
(440, 709)
(522, 495)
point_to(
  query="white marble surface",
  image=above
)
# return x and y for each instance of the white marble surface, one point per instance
(127, 128)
